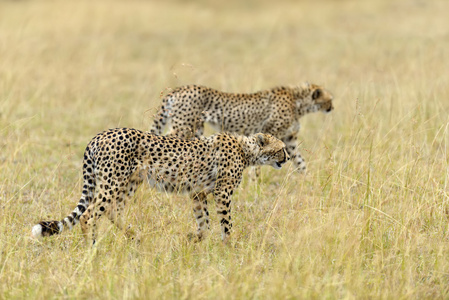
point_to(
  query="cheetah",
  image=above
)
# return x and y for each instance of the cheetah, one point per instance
(276, 111)
(117, 161)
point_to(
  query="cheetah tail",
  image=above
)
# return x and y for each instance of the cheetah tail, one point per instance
(164, 114)
(48, 228)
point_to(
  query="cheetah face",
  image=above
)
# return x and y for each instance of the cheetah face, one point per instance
(321, 99)
(272, 151)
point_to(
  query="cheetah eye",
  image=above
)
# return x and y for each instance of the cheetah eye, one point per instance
(316, 94)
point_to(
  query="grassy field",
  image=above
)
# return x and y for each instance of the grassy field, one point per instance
(370, 218)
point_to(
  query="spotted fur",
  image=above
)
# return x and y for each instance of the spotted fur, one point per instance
(118, 160)
(276, 111)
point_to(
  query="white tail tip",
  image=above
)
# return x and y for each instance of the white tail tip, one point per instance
(36, 232)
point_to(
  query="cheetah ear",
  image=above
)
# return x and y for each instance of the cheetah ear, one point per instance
(316, 94)
(260, 139)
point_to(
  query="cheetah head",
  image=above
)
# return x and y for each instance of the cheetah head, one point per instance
(272, 151)
(315, 99)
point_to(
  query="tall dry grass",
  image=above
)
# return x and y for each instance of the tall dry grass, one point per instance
(370, 219)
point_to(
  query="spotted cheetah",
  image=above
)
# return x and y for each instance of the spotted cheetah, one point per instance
(276, 111)
(116, 161)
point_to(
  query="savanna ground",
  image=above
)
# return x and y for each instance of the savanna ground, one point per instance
(369, 220)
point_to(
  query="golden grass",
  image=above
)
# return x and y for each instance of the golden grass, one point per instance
(370, 219)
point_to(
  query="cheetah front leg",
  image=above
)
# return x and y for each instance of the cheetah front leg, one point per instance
(254, 173)
(201, 215)
(291, 144)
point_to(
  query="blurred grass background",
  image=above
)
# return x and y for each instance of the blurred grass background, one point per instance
(369, 220)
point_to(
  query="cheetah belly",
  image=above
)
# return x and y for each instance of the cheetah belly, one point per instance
(181, 182)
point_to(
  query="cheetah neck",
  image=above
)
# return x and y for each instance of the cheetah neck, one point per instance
(250, 149)
(303, 102)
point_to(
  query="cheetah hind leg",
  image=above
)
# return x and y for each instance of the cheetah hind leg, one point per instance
(202, 217)
(117, 219)
(199, 128)
(86, 224)
(103, 205)
(116, 212)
